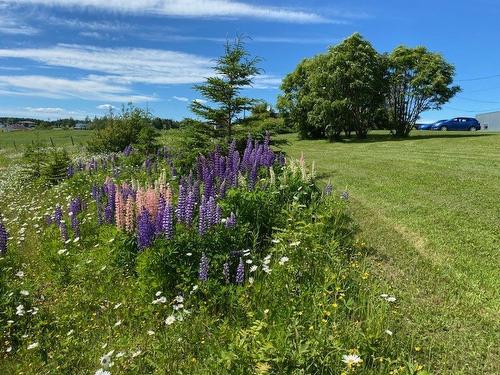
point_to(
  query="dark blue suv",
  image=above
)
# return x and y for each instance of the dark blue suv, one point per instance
(457, 123)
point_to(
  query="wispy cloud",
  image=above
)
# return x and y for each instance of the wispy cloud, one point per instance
(190, 8)
(122, 64)
(47, 110)
(13, 26)
(180, 98)
(87, 88)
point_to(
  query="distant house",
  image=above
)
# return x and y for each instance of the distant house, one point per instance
(81, 126)
(27, 124)
(489, 121)
(16, 127)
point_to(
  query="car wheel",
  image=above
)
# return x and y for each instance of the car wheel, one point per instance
(443, 128)
(472, 129)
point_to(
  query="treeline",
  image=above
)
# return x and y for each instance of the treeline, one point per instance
(352, 88)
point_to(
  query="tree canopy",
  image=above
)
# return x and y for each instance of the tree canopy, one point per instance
(419, 80)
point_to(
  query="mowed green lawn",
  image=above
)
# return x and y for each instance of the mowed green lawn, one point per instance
(429, 206)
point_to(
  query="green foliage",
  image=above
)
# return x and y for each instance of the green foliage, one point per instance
(49, 165)
(133, 126)
(234, 70)
(419, 81)
(340, 91)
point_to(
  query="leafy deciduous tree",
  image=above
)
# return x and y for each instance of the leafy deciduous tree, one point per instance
(419, 80)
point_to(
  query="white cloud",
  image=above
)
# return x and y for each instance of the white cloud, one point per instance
(124, 64)
(106, 107)
(47, 110)
(189, 8)
(87, 88)
(267, 82)
(180, 98)
(201, 101)
(11, 25)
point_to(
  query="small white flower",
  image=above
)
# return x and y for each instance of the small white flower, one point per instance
(102, 372)
(253, 268)
(106, 360)
(62, 251)
(70, 332)
(170, 320)
(179, 299)
(20, 310)
(389, 332)
(32, 346)
(158, 293)
(117, 305)
(136, 353)
(9, 349)
(25, 292)
(120, 354)
(20, 274)
(391, 299)
(118, 323)
(249, 261)
(151, 333)
(296, 243)
(351, 359)
(283, 260)
(162, 299)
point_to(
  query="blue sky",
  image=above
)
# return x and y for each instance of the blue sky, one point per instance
(61, 58)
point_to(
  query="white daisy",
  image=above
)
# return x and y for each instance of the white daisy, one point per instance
(351, 359)
(283, 260)
(32, 346)
(24, 292)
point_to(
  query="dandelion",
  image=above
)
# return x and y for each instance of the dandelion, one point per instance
(203, 270)
(351, 359)
(170, 320)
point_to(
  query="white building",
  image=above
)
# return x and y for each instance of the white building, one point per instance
(489, 121)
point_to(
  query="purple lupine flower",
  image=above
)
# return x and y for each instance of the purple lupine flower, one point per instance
(211, 212)
(203, 270)
(344, 196)
(3, 238)
(64, 231)
(70, 171)
(145, 230)
(128, 150)
(181, 202)
(231, 221)
(109, 210)
(240, 272)
(328, 189)
(147, 165)
(226, 272)
(189, 210)
(218, 214)
(168, 221)
(58, 214)
(159, 216)
(202, 220)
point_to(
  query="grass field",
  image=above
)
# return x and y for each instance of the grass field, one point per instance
(430, 208)
(60, 138)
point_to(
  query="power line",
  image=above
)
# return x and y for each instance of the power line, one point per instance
(478, 78)
(472, 110)
(477, 100)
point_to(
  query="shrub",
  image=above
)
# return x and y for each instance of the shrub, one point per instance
(49, 165)
(132, 127)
